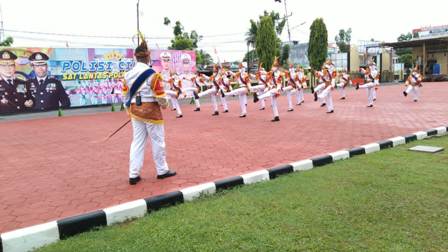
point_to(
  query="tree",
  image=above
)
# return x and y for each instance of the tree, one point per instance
(252, 56)
(404, 54)
(318, 44)
(284, 56)
(277, 22)
(266, 42)
(252, 33)
(182, 40)
(187, 41)
(203, 58)
(7, 42)
(343, 40)
(405, 37)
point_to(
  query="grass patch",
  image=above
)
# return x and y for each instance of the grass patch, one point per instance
(392, 200)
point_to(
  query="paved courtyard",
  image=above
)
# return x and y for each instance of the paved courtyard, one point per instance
(57, 167)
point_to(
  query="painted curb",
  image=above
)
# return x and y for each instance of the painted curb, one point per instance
(30, 238)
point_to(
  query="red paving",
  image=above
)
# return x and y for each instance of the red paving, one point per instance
(54, 168)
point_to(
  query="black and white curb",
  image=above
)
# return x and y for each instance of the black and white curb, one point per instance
(33, 237)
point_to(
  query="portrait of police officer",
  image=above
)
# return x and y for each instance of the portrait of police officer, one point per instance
(15, 94)
(47, 91)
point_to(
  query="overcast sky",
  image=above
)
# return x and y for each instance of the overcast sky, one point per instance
(222, 23)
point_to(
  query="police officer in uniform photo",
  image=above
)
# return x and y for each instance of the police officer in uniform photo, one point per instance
(48, 92)
(15, 94)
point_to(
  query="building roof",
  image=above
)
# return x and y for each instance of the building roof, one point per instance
(418, 42)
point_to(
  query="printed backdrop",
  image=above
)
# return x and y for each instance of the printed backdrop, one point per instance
(93, 76)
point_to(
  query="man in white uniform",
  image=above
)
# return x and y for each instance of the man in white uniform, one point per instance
(244, 86)
(413, 83)
(143, 96)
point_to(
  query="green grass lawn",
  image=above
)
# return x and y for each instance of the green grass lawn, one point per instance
(392, 200)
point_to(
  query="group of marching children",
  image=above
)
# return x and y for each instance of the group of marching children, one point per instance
(269, 85)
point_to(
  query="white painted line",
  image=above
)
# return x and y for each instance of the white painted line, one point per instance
(303, 165)
(339, 155)
(397, 141)
(255, 177)
(372, 147)
(421, 135)
(441, 131)
(30, 238)
(190, 193)
(126, 211)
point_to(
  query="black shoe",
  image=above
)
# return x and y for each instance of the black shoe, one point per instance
(242, 116)
(415, 100)
(262, 108)
(133, 181)
(342, 98)
(226, 111)
(323, 104)
(329, 112)
(315, 96)
(405, 94)
(167, 175)
(215, 113)
(370, 106)
(255, 98)
(357, 86)
(179, 116)
(276, 119)
(197, 109)
(374, 99)
(173, 109)
(290, 110)
(298, 104)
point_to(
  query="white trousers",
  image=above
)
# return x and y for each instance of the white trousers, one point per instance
(172, 96)
(141, 132)
(371, 94)
(300, 96)
(212, 92)
(325, 95)
(224, 103)
(414, 90)
(191, 90)
(341, 89)
(318, 89)
(289, 91)
(274, 105)
(242, 97)
(259, 90)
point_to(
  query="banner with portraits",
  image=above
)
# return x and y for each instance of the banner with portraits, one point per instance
(43, 79)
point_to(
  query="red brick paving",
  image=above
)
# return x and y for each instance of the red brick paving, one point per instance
(54, 168)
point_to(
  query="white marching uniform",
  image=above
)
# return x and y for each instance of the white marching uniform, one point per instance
(259, 89)
(413, 85)
(216, 87)
(189, 88)
(301, 85)
(273, 91)
(142, 129)
(241, 92)
(344, 80)
(291, 88)
(320, 87)
(370, 86)
(325, 94)
(169, 84)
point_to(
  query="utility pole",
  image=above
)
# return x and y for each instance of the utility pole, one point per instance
(287, 22)
(138, 22)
